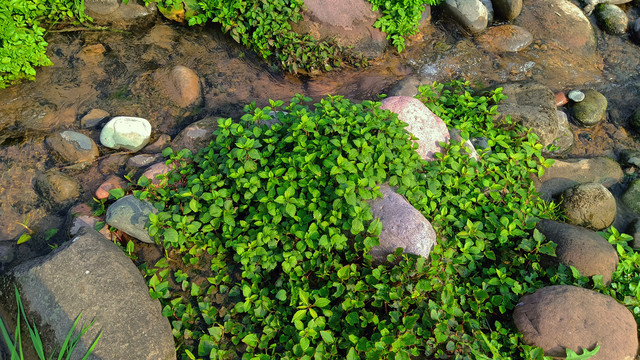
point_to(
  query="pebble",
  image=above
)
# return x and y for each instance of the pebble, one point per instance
(561, 98)
(576, 95)
(112, 182)
(93, 118)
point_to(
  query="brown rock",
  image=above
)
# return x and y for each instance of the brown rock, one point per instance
(72, 147)
(57, 188)
(505, 38)
(181, 85)
(93, 118)
(566, 174)
(112, 182)
(196, 136)
(590, 205)
(562, 317)
(154, 170)
(157, 146)
(561, 98)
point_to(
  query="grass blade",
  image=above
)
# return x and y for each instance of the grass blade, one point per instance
(33, 332)
(65, 344)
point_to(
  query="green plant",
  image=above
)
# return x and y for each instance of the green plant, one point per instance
(67, 348)
(400, 18)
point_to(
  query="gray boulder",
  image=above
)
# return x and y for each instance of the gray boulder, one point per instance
(591, 110)
(507, 9)
(195, 136)
(130, 215)
(612, 19)
(588, 252)
(90, 274)
(471, 15)
(72, 147)
(590, 205)
(563, 175)
(402, 226)
(562, 317)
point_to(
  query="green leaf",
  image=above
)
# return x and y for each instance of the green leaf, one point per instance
(327, 336)
(251, 340)
(281, 295)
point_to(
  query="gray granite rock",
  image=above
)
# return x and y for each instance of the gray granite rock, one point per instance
(130, 215)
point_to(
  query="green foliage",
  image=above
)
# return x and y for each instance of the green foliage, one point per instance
(67, 348)
(400, 18)
(22, 44)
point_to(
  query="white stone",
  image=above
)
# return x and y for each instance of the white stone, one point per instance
(130, 133)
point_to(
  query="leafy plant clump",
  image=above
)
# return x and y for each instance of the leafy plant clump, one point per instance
(22, 44)
(267, 233)
(400, 18)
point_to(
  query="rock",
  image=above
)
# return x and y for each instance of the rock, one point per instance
(72, 147)
(454, 134)
(588, 252)
(428, 128)
(90, 274)
(161, 142)
(576, 95)
(631, 197)
(154, 170)
(561, 99)
(93, 118)
(81, 216)
(505, 38)
(142, 160)
(471, 15)
(562, 317)
(130, 133)
(7, 254)
(507, 9)
(121, 15)
(533, 105)
(180, 84)
(591, 4)
(131, 215)
(590, 205)
(112, 182)
(112, 164)
(634, 230)
(195, 136)
(57, 188)
(635, 31)
(630, 157)
(565, 139)
(402, 226)
(591, 110)
(406, 87)
(350, 22)
(563, 175)
(635, 120)
(612, 19)
(489, 5)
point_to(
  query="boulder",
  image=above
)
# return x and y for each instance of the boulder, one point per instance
(195, 136)
(584, 249)
(562, 317)
(350, 22)
(402, 226)
(180, 84)
(507, 9)
(505, 38)
(590, 205)
(120, 14)
(57, 188)
(90, 274)
(591, 110)
(72, 147)
(125, 132)
(563, 175)
(631, 197)
(612, 19)
(130, 215)
(428, 128)
(471, 15)
(93, 118)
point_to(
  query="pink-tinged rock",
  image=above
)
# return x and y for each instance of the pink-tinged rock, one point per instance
(561, 99)
(428, 128)
(154, 170)
(112, 182)
(81, 216)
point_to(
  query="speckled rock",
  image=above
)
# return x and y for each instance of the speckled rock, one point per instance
(590, 205)
(507, 9)
(471, 15)
(612, 19)
(591, 110)
(125, 132)
(131, 215)
(505, 38)
(72, 147)
(428, 128)
(57, 188)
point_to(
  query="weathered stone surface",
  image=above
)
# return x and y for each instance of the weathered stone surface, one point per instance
(119, 15)
(90, 274)
(131, 216)
(563, 175)
(153, 171)
(631, 196)
(507, 9)
(130, 133)
(72, 147)
(93, 118)
(112, 182)
(612, 19)
(505, 38)
(428, 128)
(179, 84)
(57, 188)
(472, 15)
(634, 230)
(402, 226)
(588, 252)
(565, 139)
(591, 110)
(562, 317)
(590, 205)
(195, 136)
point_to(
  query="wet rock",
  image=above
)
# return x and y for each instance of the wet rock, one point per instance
(590, 205)
(112, 182)
(428, 128)
(635, 120)
(630, 157)
(90, 274)
(490, 14)
(588, 252)
(631, 197)
(576, 95)
(28, 120)
(471, 15)
(180, 84)
(154, 171)
(402, 226)
(120, 15)
(591, 110)
(507, 9)
(195, 136)
(130, 133)
(533, 105)
(612, 19)
(93, 118)
(142, 160)
(505, 38)
(562, 317)
(406, 87)
(561, 99)
(71, 147)
(161, 142)
(57, 188)
(7, 254)
(81, 216)
(565, 140)
(349, 21)
(634, 230)
(563, 175)
(635, 31)
(112, 164)
(131, 215)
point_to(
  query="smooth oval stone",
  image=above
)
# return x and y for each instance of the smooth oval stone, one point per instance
(576, 95)
(505, 38)
(131, 133)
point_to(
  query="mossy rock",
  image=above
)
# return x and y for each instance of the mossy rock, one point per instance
(612, 19)
(591, 110)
